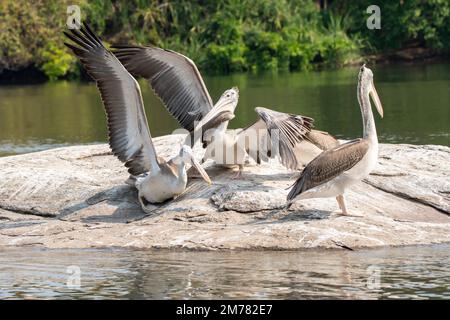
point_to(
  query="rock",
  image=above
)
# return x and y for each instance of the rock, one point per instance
(405, 169)
(75, 197)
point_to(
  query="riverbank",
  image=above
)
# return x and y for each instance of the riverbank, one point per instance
(259, 35)
(407, 56)
(75, 197)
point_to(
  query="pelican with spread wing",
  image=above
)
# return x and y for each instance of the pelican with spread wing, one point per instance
(176, 80)
(157, 180)
(336, 169)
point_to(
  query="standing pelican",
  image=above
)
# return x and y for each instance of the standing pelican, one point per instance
(177, 82)
(334, 170)
(129, 134)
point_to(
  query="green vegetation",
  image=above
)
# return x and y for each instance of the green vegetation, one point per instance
(224, 36)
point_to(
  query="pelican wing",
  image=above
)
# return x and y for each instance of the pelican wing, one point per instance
(315, 143)
(276, 133)
(129, 135)
(328, 165)
(322, 139)
(173, 77)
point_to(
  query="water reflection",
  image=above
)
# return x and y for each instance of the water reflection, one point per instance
(415, 99)
(412, 272)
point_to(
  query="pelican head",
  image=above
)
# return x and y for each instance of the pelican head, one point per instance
(231, 94)
(187, 156)
(366, 86)
(229, 97)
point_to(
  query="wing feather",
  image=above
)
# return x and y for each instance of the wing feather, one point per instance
(322, 139)
(328, 165)
(286, 129)
(129, 135)
(173, 77)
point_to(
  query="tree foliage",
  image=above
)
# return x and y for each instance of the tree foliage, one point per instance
(223, 36)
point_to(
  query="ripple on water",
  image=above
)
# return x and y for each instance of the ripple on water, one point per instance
(394, 273)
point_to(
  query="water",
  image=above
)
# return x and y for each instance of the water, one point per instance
(415, 99)
(390, 273)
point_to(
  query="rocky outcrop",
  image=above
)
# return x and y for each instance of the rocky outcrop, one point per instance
(76, 197)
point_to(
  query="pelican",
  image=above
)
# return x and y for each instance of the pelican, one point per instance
(156, 180)
(176, 80)
(336, 169)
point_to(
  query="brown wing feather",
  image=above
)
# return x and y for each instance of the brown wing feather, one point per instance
(322, 139)
(328, 165)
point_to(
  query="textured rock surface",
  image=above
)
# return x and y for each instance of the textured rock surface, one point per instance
(76, 197)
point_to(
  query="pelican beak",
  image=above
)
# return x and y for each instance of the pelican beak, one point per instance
(376, 99)
(200, 169)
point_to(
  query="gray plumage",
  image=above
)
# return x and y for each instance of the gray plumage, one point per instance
(289, 129)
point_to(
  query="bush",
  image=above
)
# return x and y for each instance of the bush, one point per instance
(403, 23)
(223, 36)
(31, 35)
(57, 61)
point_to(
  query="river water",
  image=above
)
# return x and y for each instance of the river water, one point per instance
(389, 273)
(415, 99)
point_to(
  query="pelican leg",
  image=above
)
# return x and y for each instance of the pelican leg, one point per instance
(341, 202)
(288, 205)
(338, 201)
(239, 174)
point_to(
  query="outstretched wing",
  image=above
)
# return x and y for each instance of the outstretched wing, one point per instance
(328, 165)
(315, 143)
(276, 133)
(129, 135)
(323, 140)
(173, 77)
